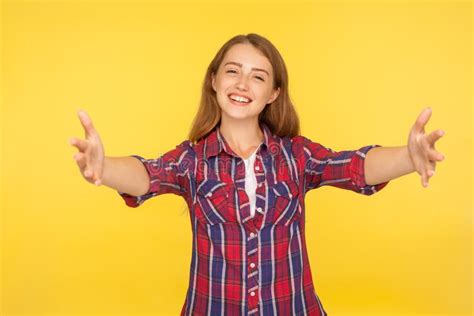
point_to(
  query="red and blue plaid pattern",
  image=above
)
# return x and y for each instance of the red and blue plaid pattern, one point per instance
(243, 265)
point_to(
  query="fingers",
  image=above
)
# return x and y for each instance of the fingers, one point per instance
(428, 172)
(88, 173)
(424, 179)
(433, 137)
(433, 155)
(80, 159)
(79, 143)
(92, 176)
(86, 122)
(422, 119)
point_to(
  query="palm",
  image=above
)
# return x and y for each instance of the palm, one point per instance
(95, 154)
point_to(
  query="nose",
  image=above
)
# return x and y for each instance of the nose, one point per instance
(242, 83)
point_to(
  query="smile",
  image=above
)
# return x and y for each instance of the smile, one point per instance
(240, 101)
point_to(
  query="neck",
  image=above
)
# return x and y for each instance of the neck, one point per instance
(241, 134)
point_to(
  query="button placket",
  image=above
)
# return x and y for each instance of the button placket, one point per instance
(257, 164)
(252, 270)
(253, 297)
(252, 246)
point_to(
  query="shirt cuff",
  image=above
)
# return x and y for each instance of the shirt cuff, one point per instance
(357, 172)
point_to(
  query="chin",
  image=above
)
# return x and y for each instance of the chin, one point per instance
(238, 115)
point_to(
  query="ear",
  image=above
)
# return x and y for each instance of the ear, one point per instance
(213, 81)
(274, 95)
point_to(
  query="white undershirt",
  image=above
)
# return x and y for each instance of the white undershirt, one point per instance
(251, 181)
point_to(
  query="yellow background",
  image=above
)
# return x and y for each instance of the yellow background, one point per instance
(360, 73)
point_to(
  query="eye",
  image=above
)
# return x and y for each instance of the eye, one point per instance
(260, 78)
(231, 71)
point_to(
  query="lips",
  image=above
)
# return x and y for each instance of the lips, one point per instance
(239, 103)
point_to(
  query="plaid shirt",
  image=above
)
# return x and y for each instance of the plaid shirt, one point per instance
(244, 265)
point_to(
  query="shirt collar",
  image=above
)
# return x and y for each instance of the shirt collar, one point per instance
(215, 142)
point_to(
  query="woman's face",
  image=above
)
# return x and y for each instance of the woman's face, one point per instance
(243, 83)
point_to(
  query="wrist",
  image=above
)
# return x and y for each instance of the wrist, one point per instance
(409, 161)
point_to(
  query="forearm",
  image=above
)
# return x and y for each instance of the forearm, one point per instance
(383, 164)
(125, 174)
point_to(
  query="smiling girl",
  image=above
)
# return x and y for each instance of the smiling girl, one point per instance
(244, 173)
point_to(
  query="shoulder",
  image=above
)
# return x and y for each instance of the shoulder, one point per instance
(183, 150)
(299, 142)
(186, 144)
(307, 145)
(298, 139)
(186, 148)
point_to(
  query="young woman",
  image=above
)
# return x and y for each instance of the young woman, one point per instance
(244, 173)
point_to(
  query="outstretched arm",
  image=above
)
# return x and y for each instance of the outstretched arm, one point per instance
(388, 163)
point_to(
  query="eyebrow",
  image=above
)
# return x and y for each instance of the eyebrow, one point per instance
(240, 65)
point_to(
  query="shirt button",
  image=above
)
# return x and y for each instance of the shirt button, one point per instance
(260, 184)
(252, 293)
(252, 235)
(259, 209)
(257, 168)
(252, 265)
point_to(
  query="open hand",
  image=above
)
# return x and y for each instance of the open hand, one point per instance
(421, 147)
(90, 157)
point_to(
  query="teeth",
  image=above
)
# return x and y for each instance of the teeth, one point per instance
(239, 99)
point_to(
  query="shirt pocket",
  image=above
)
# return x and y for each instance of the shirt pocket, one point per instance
(212, 204)
(286, 206)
